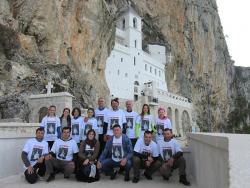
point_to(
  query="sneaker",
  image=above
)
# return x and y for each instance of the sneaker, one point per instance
(149, 177)
(184, 181)
(51, 177)
(135, 180)
(165, 178)
(113, 175)
(66, 177)
(126, 178)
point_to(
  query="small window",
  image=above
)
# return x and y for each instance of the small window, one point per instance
(123, 24)
(118, 72)
(121, 59)
(146, 67)
(134, 22)
(155, 72)
(135, 43)
(135, 97)
(126, 74)
(151, 69)
(159, 73)
(134, 61)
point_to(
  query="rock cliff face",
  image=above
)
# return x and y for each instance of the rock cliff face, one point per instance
(64, 41)
(70, 40)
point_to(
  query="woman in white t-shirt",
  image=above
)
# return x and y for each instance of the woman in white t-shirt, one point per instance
(144, 121)
(90, 122)
(51, 124)
(161, 122)
(76, 125)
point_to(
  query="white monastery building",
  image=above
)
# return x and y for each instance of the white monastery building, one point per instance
(133, 74)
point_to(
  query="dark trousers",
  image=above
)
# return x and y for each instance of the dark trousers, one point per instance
(50, 143)
(82, 174)
(108, 166)
(102, 144)
(138, 164)
(38, 168)
(67, 167)
(133, 141)
(179, 163)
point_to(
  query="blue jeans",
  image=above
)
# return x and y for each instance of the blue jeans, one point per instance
(108, 165)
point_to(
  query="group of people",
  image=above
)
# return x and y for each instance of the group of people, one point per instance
(107, 141)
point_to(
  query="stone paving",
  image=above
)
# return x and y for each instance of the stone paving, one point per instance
(18, 181)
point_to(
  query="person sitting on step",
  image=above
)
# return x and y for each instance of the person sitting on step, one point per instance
(171, 157)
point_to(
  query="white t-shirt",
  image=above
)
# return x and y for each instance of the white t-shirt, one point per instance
(117, 149)
(64, 150)
(131, 119)
(150, 150)
(168, 149)
(90, 124)
(160, 125)
(88, 151)
(50, 125)
(145, 124)
(114, 117)
(35, 150)
(77, 128)
(100, 117)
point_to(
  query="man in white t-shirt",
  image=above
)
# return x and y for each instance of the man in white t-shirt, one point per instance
(100, 114)
(33, 155)
(145, 156)
(171, 157)
(117, 153)
(131, 122)
(62, 156)
(114, 116)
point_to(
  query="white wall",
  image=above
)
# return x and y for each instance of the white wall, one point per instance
(12, 139)
(220, 160)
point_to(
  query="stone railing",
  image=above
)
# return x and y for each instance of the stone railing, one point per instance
(220, 160)
(12, 139)
(173, 98)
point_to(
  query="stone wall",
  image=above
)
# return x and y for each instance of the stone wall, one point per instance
(12, 139)
(220, 160)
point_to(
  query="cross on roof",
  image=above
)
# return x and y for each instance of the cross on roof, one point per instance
(170, 57)
(49, 87)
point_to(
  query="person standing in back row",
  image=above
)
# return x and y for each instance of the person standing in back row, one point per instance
(131, 117)
(114, 116)
(77, 125)
(144, 121)
(161, 122)
(100, 114)
(52, 126)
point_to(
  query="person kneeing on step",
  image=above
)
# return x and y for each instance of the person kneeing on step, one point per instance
(62, 156)
(117, 153)
(145, 156)
(172, 157)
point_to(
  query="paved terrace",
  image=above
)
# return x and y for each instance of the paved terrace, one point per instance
(18, 181)
(213, 161)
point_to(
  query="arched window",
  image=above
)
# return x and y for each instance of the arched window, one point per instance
(136, 83)
(123, 23)
(134, 22)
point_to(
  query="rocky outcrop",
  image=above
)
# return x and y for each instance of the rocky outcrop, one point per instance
(68, 41)
(60, 41)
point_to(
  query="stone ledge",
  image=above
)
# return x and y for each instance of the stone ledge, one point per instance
(61, 94)
(219, 141)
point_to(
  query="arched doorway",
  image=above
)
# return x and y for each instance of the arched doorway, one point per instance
(42, 112)
(169, 112)
(177, 122)
(185, 121)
